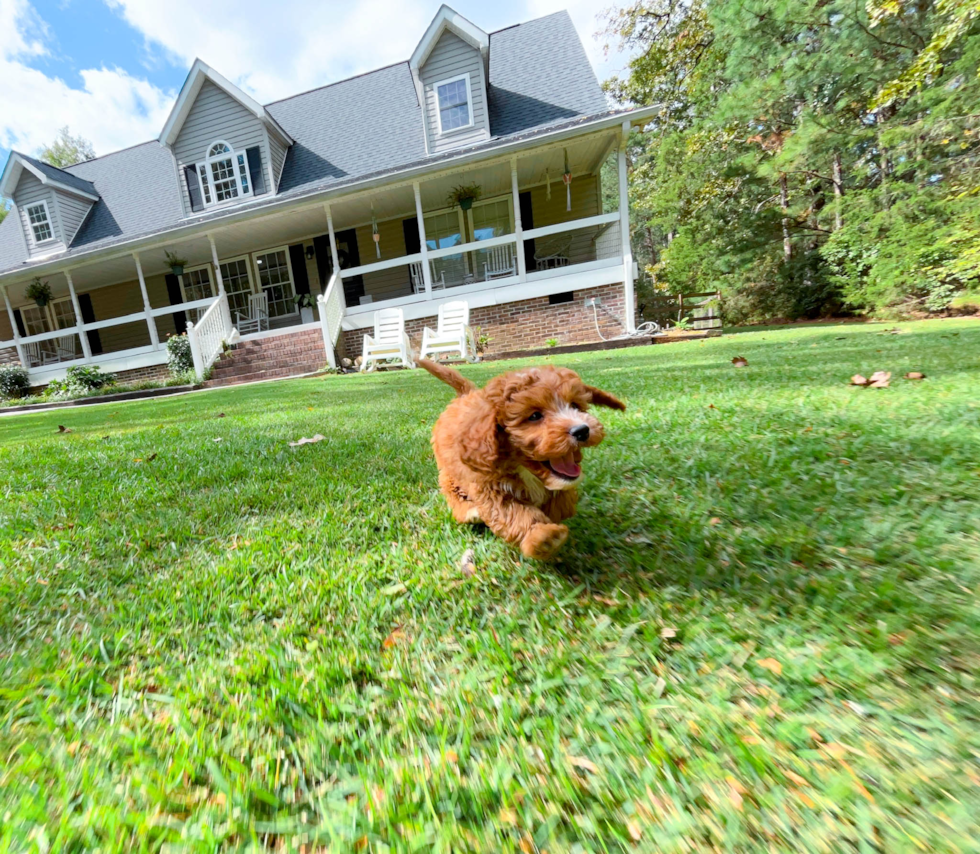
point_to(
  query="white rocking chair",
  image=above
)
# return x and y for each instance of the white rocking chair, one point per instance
(453, 333)
(500, 263)
(257, 318)
(66, 348)
(38, 355)
(418, 282)
(389, 342)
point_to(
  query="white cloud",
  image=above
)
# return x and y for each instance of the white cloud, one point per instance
(274, 50)
(113, 109)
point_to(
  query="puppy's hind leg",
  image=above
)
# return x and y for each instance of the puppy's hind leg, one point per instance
(464, 510)
(525, 526)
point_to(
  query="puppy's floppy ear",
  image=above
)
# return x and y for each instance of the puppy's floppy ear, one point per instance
(604, 398)
(479, 443)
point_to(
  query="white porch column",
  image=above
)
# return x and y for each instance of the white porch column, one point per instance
(334, 257)
(225, 308)
(423, 247)
(13, 328)
(151, 323)
(624, 224)
(79, 325)
(518, 225)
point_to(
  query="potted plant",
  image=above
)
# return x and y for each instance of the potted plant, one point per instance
(176, 263)
(39, 291)
(305, 304)
(464, 195)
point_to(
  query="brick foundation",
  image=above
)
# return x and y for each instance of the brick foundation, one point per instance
(8, 356)
(529, 324)
(157, 373)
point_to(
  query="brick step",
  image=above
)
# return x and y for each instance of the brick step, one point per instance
(247, 358)
(279, 341)
(285, 371)
(277, 360)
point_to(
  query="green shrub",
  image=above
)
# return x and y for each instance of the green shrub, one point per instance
(13, 381)
(79, 381)
(179, 359)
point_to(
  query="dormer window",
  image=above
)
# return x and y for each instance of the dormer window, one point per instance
(223, 174)
(454, 103)
(40, 222)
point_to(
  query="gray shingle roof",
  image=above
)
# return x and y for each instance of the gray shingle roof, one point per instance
(540, 79)
(62, 175)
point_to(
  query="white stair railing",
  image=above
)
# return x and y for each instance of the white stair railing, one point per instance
(208, 336)
(331, 306)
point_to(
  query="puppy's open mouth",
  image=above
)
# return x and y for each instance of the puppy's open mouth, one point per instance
(565, 466)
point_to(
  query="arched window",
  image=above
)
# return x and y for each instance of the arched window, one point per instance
(223, 174)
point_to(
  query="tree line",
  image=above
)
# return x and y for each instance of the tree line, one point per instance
(809, 157)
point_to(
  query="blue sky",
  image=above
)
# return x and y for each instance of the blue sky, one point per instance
(110, 69)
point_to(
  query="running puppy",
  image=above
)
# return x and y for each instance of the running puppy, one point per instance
(509, 454)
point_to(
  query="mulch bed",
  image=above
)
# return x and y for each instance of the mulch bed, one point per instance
(102, 398)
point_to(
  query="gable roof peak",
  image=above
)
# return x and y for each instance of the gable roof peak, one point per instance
(50, 176)
(449, 19)
(199, 74)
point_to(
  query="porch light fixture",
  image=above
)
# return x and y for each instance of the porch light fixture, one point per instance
(375, 234)
(310, 252)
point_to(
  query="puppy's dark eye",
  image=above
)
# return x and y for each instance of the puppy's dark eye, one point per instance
(535, 416)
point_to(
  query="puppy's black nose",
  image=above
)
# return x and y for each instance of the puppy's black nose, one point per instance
(580, 432)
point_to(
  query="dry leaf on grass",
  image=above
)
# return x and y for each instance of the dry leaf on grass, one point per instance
(634, 830)
(220, 415)
(668, 632)
(63, 429)
(714, 520)
(879, 379)
(915, 375)
(771, 664)
(305, 441)
(468, 563)
(396, 635)
(740, 361)
(582, 762)
(857, 379)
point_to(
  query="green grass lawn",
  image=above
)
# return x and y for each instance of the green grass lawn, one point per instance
(762, 634)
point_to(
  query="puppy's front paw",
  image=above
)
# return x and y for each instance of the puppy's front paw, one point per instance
(543, 541)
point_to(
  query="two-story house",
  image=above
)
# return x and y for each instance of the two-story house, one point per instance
(343, 198)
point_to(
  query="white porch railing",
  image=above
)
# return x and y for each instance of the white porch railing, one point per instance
(331, 306)
(209, 335)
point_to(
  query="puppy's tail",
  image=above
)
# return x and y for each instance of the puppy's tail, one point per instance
(449, 377)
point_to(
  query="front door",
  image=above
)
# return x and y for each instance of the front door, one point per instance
(276, 279)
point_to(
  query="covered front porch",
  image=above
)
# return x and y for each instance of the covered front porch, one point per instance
(544, 221)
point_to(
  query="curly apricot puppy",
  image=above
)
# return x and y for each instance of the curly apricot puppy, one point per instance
(509, 454)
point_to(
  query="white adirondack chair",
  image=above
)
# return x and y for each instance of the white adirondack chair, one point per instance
(500, 263)
(418, 282)
(453, 333)
(389, 341)
(38, 355)
(257, 318)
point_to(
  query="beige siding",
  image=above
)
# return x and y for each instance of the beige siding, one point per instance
(30, 191)
(585, 203)
(6, 333)
(449, 58)
(116, 301)
(73, 212)
(385, 284)
(215, 115)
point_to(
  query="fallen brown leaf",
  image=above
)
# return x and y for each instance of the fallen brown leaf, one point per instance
(396, 635)
(771, 664)
(151, 458)
(582, 762)
(634, 830)
(668, 632)
(857, 379)
(714, 520)
(879, 379)
(740, 361)
(63, 429)
(915, 375)
(220, 415)
(468, 563)
(305, 441)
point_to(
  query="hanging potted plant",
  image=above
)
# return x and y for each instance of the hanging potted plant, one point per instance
(304, 302)
(176, 263)
(464, 196)
(39, 291)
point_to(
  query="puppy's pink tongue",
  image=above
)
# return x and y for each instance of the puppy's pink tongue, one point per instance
(567, 466)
